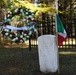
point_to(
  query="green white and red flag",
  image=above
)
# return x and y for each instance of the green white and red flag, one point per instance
(62, 35)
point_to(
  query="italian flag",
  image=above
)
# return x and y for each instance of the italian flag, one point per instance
(62, 35)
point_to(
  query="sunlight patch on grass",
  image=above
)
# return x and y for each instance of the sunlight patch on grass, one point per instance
(65, 53)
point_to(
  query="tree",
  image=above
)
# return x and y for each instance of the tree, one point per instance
(67, 6)
(4, 6)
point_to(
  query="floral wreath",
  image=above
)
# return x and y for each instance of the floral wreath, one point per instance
(23, 34)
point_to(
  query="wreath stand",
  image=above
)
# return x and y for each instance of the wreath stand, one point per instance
(29, 44)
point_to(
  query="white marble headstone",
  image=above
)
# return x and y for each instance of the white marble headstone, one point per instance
(48, 53)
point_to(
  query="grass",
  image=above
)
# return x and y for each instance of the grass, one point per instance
(68, 62)
(21, 61)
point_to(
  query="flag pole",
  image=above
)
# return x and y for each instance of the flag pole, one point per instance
(56, 6)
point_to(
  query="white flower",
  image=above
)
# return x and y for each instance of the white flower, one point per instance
(26, 13)
(35, 29)
(22, 12)
(30, 32)
(8, 19)
(8, 11)
(16, 38)
(6, 34)
(13, 39)
(8, 15)
(22, 33)
(27, 36)
(16, 34)
(6, 30)
(24, 39)
(16, 10)
(10, 35)
(21, 40)
(30, 16)
(21, 36)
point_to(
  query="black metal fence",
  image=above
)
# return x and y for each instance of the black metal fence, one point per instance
(46, 25)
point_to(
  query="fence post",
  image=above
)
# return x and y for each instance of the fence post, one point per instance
(29, 44)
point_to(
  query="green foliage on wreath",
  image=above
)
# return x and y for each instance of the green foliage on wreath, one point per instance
(19, 35)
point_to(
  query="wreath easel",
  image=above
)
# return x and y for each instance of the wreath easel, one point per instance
(26, 31)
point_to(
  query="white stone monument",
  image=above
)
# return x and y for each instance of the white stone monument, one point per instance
(48, 53)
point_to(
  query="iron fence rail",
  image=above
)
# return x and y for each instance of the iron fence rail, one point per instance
(47, 26)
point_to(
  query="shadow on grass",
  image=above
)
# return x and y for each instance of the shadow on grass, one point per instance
(21, 61)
